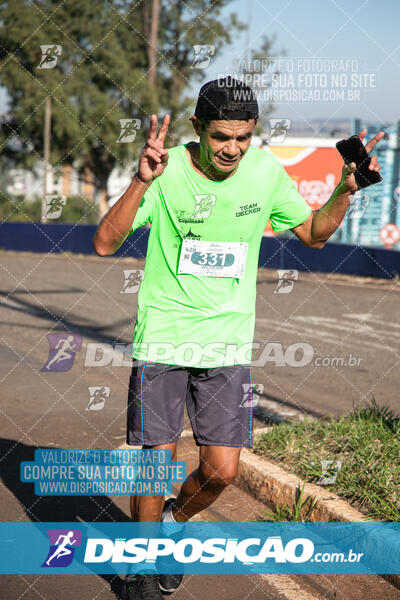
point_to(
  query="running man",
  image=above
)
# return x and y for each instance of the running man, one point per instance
(129, 129)
(54, 207)
(64, 348)
(197, 299)
(51, 55)
(62, 549)
(132, 281)
(99, 397)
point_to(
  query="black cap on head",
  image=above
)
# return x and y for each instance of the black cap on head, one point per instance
(226, 99)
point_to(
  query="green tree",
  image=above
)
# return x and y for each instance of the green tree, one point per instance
(101, 75)
(98, 80)
(184, 24)
(17, 209)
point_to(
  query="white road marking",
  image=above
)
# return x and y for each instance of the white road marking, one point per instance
(370, 317)
(328, 328)
(288, 587)
(276, 408)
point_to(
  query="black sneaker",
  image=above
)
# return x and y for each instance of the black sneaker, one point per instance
(168, 503)
(169, 583)
(141, 587)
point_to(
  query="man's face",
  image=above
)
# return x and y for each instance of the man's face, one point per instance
(224, 143)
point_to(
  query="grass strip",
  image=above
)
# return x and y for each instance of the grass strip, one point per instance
(357, 456)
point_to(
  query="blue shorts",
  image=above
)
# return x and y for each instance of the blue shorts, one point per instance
(217, 402)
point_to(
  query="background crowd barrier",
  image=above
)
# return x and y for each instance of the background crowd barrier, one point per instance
(275, 253)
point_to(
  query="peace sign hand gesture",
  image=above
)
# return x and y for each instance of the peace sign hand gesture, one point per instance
(154, 157)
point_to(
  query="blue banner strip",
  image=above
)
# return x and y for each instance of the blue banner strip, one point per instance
(247, 548)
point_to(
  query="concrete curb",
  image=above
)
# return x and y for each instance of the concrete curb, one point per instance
(273, 484)
(270, 483)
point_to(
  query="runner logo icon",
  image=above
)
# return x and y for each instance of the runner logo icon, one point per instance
(203, 206)
(97, 397)
(251, 394)
(358, 206)
(279, 129)
(50, 54)
(128, 131)
(61, 552)
(62, 351)
(287, 277)
(54, 205)
(133, 279)
(202, 56)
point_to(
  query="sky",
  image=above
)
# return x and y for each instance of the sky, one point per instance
(366, 33)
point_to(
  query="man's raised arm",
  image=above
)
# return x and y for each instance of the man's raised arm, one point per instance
(320, 225)
(116, 224)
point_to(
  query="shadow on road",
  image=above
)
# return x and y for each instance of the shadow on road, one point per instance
(55, 508)
(66, 319)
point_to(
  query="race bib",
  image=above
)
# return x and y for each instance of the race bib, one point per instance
(213, 259)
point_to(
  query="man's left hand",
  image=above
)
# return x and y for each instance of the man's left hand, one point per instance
(348, 181)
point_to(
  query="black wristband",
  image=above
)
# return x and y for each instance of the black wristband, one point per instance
(140, 179)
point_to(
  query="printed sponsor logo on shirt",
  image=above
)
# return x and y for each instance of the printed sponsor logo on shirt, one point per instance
(202, 209)
(190, 235)
(184, 216)
(248, 209)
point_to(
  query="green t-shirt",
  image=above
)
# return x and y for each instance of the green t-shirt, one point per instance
(197, 320)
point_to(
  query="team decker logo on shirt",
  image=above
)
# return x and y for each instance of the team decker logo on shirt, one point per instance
(248, 209)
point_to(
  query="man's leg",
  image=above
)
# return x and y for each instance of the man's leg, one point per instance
(155, 416)
(156, 402)
(217, 469)
(146, 509)
(216, 411)
(149, 508)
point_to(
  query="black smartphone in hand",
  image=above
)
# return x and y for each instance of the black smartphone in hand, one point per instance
(353, 150)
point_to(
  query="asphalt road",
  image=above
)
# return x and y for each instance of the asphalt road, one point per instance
(352, 328)
(349, 327)
(336, 317)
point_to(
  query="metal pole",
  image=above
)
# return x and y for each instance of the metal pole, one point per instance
(46, 153)
(248, 31)
(152, 43)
